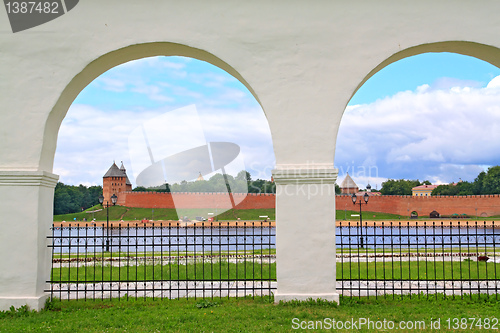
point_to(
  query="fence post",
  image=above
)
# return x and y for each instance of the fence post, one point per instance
(26, 204)
(305, 232)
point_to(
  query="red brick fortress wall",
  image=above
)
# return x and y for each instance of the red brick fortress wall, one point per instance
(476, 205)
(480, 205)
(197, 200)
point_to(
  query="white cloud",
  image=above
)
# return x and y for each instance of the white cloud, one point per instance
(422, 134)
(90, 139)
(495, 83)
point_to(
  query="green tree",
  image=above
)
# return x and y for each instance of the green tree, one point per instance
(400, 186)
(140, 189)
(244, 176)
(485, 183)
(478, 183)
(72, 199)
(491, 181)
(461, 188)
(242, 183)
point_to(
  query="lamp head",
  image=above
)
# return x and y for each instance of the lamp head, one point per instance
(114, 199)
(354, 198)
(101, 199)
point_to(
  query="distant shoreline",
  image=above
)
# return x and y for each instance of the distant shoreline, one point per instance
(169, 223)
(414, 223)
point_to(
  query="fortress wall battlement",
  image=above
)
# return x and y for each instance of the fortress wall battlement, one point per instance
(477, 205)
(197, 200)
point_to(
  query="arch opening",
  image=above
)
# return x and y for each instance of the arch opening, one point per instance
(169, 122)
(430, 133)
(426, 121)
(110, 60)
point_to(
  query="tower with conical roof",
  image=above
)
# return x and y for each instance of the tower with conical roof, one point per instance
(115, 181)
(348, 186)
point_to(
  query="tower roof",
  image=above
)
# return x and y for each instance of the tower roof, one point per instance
(348, 182)
(114, 171)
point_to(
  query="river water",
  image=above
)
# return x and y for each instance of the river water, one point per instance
(220, 239)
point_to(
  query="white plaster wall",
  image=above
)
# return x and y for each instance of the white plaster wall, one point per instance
(303, 61)
(26, 201)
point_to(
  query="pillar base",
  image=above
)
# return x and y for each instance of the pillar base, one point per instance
(334, 297)
(33, 303)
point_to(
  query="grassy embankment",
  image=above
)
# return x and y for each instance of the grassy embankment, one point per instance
(117, 213)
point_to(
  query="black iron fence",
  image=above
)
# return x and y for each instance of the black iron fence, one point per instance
(210, 259)
(171, 260)
(455, 258)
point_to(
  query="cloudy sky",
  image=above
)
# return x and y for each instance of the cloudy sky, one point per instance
(429, 117)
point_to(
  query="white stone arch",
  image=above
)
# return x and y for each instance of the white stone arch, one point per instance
(26, 283)
(304, 61)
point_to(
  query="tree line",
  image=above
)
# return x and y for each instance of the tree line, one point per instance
(242, 183)
(400, 186)
(72, 199)
(485, 183)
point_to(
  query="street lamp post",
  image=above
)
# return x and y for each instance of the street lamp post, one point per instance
(114, 198)
(365, 199)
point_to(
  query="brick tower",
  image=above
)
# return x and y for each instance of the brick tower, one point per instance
(348, 186)
(115, 181)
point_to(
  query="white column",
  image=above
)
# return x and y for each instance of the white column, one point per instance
(26, 207)
(305, 232)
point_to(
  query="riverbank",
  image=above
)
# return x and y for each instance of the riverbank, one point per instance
(414, 223)
(233, 224)
(167, 224)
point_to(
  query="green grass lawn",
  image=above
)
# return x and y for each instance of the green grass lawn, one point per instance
(418, 270)
(251, 315)
(222, 270)
(345, 215)
(129, 214)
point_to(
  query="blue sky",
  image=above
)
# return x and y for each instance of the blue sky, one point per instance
(429, 68)
(431, 116)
